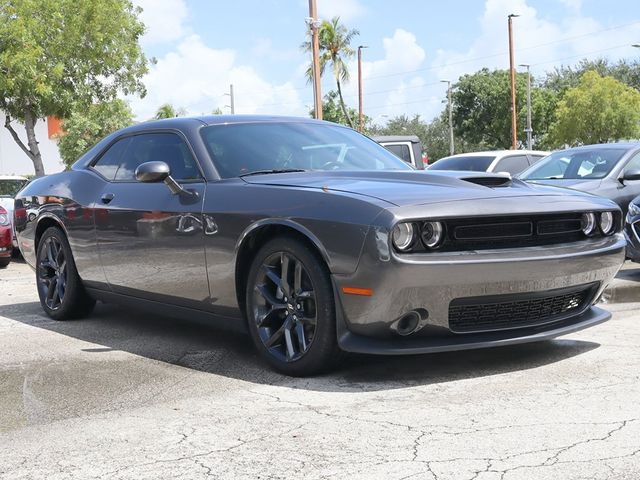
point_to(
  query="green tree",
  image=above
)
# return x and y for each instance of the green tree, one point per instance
(84, 128)
(482, 109)
(335, 50)
(332, 111)
(217, 111)
(168, 111)
(59, 56)
(600, 109)
(565, 77)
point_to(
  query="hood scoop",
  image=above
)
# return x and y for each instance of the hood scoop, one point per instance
(491, 181)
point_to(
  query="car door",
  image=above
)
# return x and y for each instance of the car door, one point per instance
(628, 189)
(151, 242)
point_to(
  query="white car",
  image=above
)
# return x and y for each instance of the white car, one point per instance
(510, 161)
(9, 186)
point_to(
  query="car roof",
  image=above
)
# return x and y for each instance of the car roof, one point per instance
(604, 146)
(499, 153)
(396, 138)
(12, 177)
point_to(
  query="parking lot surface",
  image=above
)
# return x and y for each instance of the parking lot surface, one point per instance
(126, 394)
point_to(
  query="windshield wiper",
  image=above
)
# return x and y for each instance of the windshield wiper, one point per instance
(267, 172)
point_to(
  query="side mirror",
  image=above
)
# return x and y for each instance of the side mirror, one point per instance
(152, 172)
(631, 175)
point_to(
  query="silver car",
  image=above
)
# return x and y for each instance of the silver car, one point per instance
(610, 170)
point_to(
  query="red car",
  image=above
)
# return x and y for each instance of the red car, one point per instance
(5, 238)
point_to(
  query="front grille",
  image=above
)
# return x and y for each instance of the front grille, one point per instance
(503, 312)
(512, 231)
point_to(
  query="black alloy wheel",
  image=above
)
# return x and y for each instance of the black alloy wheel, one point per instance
(290, 308)
(52, 273)
(60, 288)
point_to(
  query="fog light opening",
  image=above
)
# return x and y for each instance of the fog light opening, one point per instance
(407, 324)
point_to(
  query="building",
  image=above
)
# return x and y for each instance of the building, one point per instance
(13, 161)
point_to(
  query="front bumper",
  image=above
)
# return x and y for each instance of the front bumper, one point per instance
(631, 230)
(429, 282)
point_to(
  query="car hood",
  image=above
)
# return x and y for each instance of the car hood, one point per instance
(576, 183)
(407, 188)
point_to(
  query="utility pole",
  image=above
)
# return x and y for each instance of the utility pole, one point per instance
(315, 49)
(529, 130)
(360, 87)
(449, 105)
(514, 131)
(232, 100)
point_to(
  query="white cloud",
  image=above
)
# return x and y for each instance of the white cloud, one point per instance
(574, 5)
(347, 10)
(538, 41)
(165, 20)
(195, 77)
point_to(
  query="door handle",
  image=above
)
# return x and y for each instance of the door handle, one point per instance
(107, 197)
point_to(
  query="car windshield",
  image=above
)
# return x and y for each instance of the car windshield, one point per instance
(474, 163)
(240, 149)
(9, 188)
(575, 165)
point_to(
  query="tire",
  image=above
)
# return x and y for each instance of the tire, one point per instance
(60, 289)
(296, 336)
(5, 261)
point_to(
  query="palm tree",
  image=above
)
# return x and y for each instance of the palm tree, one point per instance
(335, 40)
(168, 111)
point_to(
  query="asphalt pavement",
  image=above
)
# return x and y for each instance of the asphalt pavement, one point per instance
(129, 395)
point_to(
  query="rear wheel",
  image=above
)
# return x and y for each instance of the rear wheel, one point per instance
(290, 308)
(60, 289)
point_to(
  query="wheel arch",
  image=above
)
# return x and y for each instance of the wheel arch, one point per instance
(47, 220)
(257, 235)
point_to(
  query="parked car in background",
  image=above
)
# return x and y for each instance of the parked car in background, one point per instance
(407, 147)
(6, 238)
(632, 230)
(510, 161)
(610, 170)
(316, 240)
(9, 186)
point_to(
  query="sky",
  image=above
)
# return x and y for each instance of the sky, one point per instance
(203, 46)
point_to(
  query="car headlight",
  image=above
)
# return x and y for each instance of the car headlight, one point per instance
(634, 209)
(403, 236)
(588, 223)
(607, 224)
(4, 219)
(432, 234)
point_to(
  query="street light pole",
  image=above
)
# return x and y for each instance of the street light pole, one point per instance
(451, 149)
(315, 49)
(232, 99)
(529, 130)
(360, 86)
(514, 131)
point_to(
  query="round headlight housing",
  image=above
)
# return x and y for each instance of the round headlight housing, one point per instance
(403, 236)
(432, 234)
(607, 224)
(588, 223)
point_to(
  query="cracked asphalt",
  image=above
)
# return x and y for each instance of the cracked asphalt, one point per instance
(128, 395)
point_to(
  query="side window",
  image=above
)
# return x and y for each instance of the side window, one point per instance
(514, 164)
(535, 158)
(107, 165)
(401, 151)
(161, 147)
(634, 163)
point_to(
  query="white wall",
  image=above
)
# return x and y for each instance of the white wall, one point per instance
(13, 161)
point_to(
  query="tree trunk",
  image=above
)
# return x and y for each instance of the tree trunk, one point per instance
(36, 157)
(32, 151)
(344, 108)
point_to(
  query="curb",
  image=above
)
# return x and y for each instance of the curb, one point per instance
(625, 287)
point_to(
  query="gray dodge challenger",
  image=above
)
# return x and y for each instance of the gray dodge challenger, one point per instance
(316, 240)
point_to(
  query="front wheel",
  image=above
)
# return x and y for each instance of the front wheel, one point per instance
(60, 289)
(290, 308)
(5, 261)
